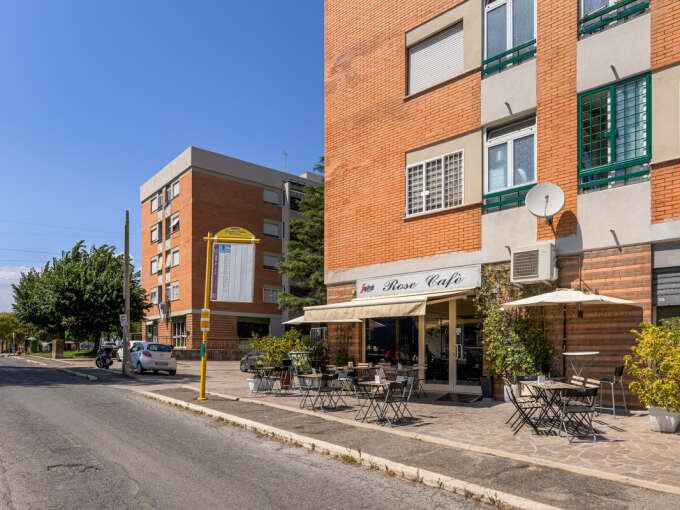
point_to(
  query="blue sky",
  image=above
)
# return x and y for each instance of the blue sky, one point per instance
(97, 96)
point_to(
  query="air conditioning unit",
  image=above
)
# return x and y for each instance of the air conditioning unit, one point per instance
(534, 264)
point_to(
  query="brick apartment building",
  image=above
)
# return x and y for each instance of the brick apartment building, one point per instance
(199, 192)
(440, 115)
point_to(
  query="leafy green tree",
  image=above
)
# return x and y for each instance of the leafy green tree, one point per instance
(304, 260)
(81, 292)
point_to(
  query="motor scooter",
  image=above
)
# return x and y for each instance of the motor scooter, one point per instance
(104, 359)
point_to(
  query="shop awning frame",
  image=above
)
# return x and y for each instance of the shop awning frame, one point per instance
(301, 320)
(400, 305)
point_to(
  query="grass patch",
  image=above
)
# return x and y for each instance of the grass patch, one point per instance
(348, 459)
(69, 354)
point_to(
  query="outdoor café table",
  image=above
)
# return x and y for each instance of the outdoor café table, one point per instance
(580, 360)
(549, 393)
(308, 383)
(374, 391)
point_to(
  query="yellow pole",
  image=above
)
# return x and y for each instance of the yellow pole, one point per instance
(206, 304)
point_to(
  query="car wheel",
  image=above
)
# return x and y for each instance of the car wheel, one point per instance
(139, 369)
(172, 372)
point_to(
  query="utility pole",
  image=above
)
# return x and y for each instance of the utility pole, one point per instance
(126, 293)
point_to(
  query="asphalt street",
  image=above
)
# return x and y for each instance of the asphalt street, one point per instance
(67, 443)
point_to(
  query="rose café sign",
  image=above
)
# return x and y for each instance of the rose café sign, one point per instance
(425, 281)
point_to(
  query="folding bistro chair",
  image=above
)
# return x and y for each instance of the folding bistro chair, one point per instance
(525, 394)
(618, 379)
(366, 398)
(308, 387)
(419, 381)
(327, 392)
(390, 403)
(577, 411)
(525, 412)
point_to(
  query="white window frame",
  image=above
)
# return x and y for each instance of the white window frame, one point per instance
(278, 197)
(154, 233)
(174, 254)
(155, 260)
(153, 295)
(264, 263)
(175, 189)
(168, 259)
(270, 288)
(174, 220)
(582, 12)
(507, 138)
(509, 30)
(157, 200)
(175, 291)
(274, 223)
(425, 193)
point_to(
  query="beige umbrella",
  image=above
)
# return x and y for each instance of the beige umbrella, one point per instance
(301, 320)
(566, 297)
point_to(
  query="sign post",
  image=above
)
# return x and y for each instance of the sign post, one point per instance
(229, 276)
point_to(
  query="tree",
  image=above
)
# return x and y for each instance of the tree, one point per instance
(81, 292)
(304, 260)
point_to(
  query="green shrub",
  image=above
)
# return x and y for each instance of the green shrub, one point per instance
(655, 366)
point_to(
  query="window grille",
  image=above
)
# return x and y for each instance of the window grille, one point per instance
(435, 184)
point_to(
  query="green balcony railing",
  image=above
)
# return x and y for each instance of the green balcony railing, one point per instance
(603, 17)
(614, 178)
(505, 199)
(511, 56)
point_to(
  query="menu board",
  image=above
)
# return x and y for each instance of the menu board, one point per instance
(233, 272)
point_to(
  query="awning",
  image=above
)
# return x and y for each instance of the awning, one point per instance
(301, 320)
(401, 305)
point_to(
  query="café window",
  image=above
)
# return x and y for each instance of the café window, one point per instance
(434, 184)
(249, 326)
(392, 340)
(510, 156)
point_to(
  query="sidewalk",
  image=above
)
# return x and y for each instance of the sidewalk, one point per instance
(536, 483)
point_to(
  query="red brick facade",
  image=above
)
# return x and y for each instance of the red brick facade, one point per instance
(666, 192)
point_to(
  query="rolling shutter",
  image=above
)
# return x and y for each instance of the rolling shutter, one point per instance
(435, 59)
(666, 286)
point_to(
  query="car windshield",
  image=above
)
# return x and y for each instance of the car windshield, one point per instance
(160, 347)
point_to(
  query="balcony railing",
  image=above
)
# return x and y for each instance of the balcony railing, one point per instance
(614, 13)
(511, 56)
(506, 199)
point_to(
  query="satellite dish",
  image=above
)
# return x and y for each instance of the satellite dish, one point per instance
(545, 200)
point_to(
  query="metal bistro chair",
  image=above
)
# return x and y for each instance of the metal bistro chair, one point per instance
(392, 402)
(366, 399)
(525, 411)
(525, 395)
(577, 411)
(618, 379)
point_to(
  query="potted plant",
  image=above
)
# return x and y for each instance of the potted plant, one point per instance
(655, 367)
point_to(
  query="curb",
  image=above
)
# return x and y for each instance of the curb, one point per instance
(34, 362)
(593, 473)
(429, 478)
(77, 374)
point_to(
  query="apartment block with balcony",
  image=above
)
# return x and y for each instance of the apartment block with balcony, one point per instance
(440, 116)
(199, 192)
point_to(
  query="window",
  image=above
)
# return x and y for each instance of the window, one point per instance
(598, 14)
(296, 197)
(175, 189)
(155, 202)
(435, 59)
(247, 326)
(434, 184)
(175, 257)
(271, 260)
(510, 158)
(151, 335)
(614, 132)
(272, 197)
(179, 332)
(154, 234)
(510, 33)
(153, 296)
(168, 259)
(172, 291)
(272, 228)
(174, 223)
(270, 294)
(155, 267)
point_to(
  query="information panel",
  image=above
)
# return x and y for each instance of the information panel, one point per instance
(233, 272)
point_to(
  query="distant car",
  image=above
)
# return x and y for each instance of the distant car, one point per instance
(119, 352)
(249, 361)
(153, 356)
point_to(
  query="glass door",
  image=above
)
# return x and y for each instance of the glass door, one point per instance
(437, 346)
(468, 349)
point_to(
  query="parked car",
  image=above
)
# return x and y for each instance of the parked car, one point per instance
(119, 351)
(153, 356)
(249, 361)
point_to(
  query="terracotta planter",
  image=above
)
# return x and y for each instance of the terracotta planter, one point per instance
(662, 420)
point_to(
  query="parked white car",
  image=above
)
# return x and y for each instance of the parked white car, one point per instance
(153, 356)
(119, 351)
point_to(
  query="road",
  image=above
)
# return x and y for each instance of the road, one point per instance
(67, 443)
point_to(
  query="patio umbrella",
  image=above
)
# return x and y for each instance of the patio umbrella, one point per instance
(566, 297)
(301, 320)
